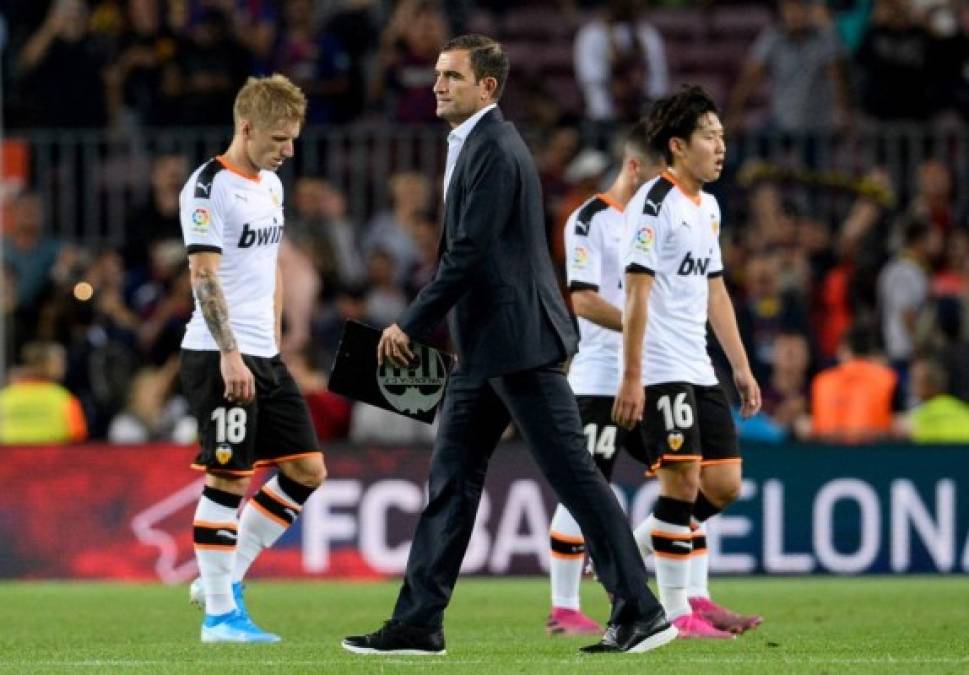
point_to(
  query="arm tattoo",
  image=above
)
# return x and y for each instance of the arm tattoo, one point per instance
(215, 310)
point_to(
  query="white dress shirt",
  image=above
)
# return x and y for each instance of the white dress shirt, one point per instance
(455, 141)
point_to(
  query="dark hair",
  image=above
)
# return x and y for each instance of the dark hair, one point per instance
(861, 339)
(677, 116)
(637, 140)
(487, 57)
(914, 230)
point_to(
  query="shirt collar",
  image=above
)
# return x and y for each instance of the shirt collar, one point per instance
(460, 132)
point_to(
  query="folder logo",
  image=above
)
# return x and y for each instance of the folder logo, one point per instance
(418, 388)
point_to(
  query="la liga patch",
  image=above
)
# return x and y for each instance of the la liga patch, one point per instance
(645, 236)
(200, 221)
(580, 257)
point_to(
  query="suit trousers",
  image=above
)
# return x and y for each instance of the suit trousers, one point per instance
(475, 412)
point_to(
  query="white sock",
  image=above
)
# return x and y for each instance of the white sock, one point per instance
(215, 531)
(567, 556)
(644, 536)
(697, 586)
(672, 545)
(266, 516)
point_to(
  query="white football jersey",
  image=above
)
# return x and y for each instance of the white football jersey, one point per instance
(593, 234)
(675, 238)
(227, 212)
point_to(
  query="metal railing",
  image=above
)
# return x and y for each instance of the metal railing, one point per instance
(89, 180)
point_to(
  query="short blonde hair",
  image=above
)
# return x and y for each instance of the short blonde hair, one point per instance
(264, 101)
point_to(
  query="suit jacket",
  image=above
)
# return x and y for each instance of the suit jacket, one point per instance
(495, 274)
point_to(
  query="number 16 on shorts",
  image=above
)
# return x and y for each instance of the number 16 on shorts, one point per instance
(671, 418)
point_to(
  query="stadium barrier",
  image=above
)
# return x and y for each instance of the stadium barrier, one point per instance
(114, 512)
(90, 180)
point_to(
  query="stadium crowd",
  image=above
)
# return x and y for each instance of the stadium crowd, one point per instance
(855, 319)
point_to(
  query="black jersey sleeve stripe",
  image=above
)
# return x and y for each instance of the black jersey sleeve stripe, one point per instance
(582, 286)
(202, 248)
(633, 268)
(714, 275)
(583, 221)
(203, 182)
(657, 193)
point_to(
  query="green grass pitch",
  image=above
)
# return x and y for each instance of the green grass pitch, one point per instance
(494, 626)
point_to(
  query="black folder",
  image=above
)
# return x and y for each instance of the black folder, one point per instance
(414, 390)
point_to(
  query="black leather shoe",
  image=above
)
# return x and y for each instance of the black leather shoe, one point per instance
(635, 637)
(398, 638)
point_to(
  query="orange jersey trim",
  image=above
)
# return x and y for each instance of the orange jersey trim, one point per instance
(673, 556)
(611, 202)
(714, 462)
(566, 556)
(566, 538)
(681, 458)
(215, 526)
(231, 472)
(286, 458)
(668, 175)
(215, 547)
(279, 500)
(264, 511)
(229, 166)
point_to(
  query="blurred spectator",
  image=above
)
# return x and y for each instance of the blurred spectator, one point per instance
(330, 412)
(355, 22)
(59, 71)
(849, 287)
(852, 402)
(320, 227)
(409, 48)
(101, 334)
(903, 288)
(300, 290)
(36, 258)
(391, 229)
(151, 414)
(385, 299)
(164, 303)
(213, 65)
(157, 220)
(766, 311)
(898, 77)
(19, 324)
(556, 151)
(953, 58)
(426, 237)
(318, 61)
(620, 63)
(933, 201)
(251, 24)
(802, 57)
(785, 394)
(939, 417)
(35, 408)
(954, 350)
(140, 80)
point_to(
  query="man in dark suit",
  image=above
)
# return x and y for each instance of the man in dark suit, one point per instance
(513, 334)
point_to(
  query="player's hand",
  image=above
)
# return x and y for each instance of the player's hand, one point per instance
(627, 409)
(394, 346)
(749, 391)
(240, 385)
